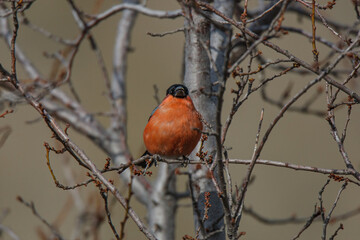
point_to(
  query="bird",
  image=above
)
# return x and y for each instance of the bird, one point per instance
(174, 127)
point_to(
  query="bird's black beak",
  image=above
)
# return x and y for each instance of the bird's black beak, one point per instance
(180, 93)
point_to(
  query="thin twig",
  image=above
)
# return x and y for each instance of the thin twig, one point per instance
(313, 41)
(165, 33)
(71, 147)
(328, 217)
(35, 212)
(104, 195)
(9, 232)
(341, 227)
(244, 185)
(293, 219)
(126, 216)
(308, 222)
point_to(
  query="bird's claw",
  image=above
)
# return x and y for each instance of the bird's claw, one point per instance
(153, 159)
(185, 162)
(156, 158)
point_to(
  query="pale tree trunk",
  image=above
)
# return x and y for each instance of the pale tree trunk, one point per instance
(117, 146)
(201, 41)
(162, 204)
(217, 209)
(158, 198)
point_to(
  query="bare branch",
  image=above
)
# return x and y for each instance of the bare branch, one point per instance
(35, 212)
(309, 222)
(327, 219)
(240, 199)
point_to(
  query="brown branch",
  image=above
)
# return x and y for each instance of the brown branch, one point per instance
(6, 113)
(326, 219)
(83, 25)
(244, 185)
(316, 213)
(341, 227)
(35, 212)
(292, 166)
(104, 195)
(293, 219)
(57, 183)
(165, 33)
(134, 7)
(313, 41)
(71, 147)
(13, 39)
(322, 74)
(343, 135)
(349, 77)
(310, 36)
(269, 163)
(195, 205)
(334, 132)
(68, 110)
(25, 21)
(301, 109)
(126, 216)
(264, 12)
(356, 5)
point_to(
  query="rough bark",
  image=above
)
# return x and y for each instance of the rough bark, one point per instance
(198, 75)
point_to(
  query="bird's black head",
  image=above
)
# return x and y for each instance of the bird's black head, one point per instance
(178, 91)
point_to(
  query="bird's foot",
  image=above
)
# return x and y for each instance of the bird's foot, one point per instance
(152, 160)
(185, 162)
(156, 158)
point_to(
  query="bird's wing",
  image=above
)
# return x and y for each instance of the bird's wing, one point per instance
(152, 113)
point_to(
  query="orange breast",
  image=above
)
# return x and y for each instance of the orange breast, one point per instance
(174, 129)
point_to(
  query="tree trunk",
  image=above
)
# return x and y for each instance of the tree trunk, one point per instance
(200, 37)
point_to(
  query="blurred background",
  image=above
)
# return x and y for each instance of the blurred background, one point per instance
(275, 192)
